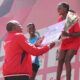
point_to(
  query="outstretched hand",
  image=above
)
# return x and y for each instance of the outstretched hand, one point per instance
(52, 45)
(38, 43)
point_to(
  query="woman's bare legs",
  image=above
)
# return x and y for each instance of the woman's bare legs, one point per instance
(60, 64)
(69, 56)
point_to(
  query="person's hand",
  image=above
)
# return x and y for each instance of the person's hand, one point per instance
(52, 45)
(65, 34)
(38, 43)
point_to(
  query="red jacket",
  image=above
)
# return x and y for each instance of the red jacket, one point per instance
(15, 44)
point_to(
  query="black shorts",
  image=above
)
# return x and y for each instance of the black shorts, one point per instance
(35, 67)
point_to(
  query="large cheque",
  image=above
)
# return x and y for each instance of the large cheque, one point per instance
(53, 32)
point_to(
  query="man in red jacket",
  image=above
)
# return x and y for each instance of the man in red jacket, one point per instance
(17, 60)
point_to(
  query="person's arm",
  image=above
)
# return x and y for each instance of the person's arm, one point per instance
(30, 48)
(76, 34)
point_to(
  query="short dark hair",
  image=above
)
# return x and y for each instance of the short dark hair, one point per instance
(31, 25)
(10, 24)
(65, 5)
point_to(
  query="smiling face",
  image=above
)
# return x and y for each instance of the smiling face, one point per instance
(31, 29)
(63, 8)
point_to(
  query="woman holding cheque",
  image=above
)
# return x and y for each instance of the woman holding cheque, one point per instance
(70, 44)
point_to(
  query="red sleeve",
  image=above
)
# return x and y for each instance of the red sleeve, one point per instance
(30, 48)
(76, 27)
